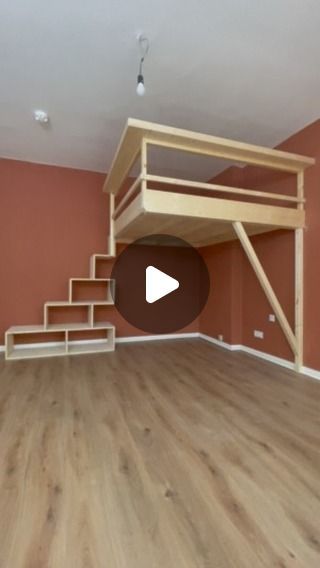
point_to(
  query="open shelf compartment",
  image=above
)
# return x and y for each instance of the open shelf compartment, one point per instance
(95, 261)
(65, 339)
(35, 341)
(49, 307)
(76, 344)
(104, 286)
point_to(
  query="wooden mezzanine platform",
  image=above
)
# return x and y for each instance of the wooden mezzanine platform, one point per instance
(145, 209)
(201, 219)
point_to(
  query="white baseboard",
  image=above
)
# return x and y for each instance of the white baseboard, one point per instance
(250, 351)
(135, 338)
(271, 358)
(223, 344)
(313, 373)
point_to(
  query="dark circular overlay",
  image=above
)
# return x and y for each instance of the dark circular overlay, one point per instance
(174, 257)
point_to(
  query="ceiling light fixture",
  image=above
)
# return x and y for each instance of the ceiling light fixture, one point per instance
(144, 48)
(41, 116)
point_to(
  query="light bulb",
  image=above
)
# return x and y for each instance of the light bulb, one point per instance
(140, 86)
(140, 89)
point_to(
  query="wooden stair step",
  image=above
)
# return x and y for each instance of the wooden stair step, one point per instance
(70, 345)
(29, 329)
(93, 261)
(91, 279)
(63, 303)
(79, 326)
(102, 256)
(108, 283)
(26, 329)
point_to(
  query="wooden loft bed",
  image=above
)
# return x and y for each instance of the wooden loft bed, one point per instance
(201, 219)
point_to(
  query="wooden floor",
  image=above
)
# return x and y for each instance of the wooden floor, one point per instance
(163, 455)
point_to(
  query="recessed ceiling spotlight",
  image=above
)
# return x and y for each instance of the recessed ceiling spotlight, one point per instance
(144, 48)
(41, 116)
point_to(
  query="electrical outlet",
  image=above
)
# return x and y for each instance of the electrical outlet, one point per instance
(220, 337)
(259, 334)
(272, 318)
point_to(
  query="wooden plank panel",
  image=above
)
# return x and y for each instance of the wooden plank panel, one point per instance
(148, 225)
(198, 232)
(221, 209)
(195, 231)
(182, 183)
(129, 215)
(183, 227)
(230, 235)
(126, 197)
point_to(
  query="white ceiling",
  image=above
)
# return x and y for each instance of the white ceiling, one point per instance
(244, 69)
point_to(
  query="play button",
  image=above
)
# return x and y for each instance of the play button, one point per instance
(162, 285)
(158, 284)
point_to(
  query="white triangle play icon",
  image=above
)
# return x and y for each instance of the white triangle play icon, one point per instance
(158, 284)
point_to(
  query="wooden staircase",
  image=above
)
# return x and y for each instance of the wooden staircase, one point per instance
(22, 341)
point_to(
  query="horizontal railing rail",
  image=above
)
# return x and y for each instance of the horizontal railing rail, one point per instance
(222, 188)
(197, 185)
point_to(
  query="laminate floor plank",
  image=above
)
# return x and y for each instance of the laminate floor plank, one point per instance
(159, 455)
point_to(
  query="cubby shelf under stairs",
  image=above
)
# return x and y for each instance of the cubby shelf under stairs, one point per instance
(69, 343)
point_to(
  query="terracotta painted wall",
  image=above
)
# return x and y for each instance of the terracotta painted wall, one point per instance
(276, 251)
(223, 312)
(51, 220)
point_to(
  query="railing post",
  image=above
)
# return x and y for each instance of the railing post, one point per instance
(111, 241)
(299, 242)
(144, 160)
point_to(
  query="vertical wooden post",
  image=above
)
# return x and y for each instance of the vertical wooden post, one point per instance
(91, 315)
(299, 238)
(144, 159)
(8, 345)
(111, 243)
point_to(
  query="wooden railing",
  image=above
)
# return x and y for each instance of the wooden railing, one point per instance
(197, 185)
(130, 193)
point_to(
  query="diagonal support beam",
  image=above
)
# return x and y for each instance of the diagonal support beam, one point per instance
(266, 286)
